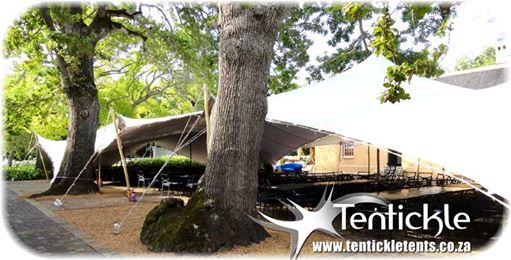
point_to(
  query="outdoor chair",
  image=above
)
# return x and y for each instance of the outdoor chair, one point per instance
(363, 175)
(191, 184)
(426, 178)
(141, 179)
(394, 179)
(145, 181)
(412, 180)
(167, 183)
(441, 179)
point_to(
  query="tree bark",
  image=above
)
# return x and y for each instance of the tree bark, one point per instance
(10, 157)
(83, 105)
(229, 192)
(246, 50)
(75, 61)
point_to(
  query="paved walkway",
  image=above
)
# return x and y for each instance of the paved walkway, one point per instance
(40, 232)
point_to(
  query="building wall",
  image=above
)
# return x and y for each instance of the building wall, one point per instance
(328, 158)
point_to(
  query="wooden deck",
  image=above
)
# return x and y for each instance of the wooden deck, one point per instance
(296, 186)
(410, 193)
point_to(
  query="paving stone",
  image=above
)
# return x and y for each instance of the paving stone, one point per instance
(40, 232)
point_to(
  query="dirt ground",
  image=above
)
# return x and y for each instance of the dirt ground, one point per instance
(95, 215)
(97, 223)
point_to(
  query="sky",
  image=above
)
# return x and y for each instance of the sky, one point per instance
(478, 25)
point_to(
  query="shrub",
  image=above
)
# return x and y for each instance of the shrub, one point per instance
(175, 162)
(23, 172)
(178, 165)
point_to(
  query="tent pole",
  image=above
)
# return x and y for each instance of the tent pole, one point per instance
(312, 154)
(42, 161)
(378, 166)
(299, 153)
(418, 167)
(339, 157)
(368, 160)
(99, 172)
(119, 146)
(206, 112)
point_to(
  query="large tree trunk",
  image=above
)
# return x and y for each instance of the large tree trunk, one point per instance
(75, 60)
(10, 158)
(246, 50)
(220, 209)
(82, 96)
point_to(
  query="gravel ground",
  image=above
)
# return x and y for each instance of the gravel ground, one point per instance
(95, 215)
(97, 223)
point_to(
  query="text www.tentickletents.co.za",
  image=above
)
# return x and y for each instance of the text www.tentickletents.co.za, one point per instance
(391, 246)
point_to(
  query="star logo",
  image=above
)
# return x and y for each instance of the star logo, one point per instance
(320, 218)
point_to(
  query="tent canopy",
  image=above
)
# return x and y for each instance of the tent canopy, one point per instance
(460, 129)
(448, 125)
(279, 138)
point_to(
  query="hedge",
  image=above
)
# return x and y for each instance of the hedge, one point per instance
(23, 172)
(175, 162)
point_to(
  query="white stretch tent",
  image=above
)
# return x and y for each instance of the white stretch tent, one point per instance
(460, 129)
(278, 139)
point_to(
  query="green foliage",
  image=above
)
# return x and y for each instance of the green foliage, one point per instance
(175, 161)
(385, 40)
(353, 43)
(23, 172)
(19, 145)
(487, 57)
(409, 63)
(164, 74)
(32, 102)
(291, 48)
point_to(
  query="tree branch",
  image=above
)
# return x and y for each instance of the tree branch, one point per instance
(125, 29)
(102, 23)
(61, 63)
(114, 71)
(362, 34)
(45, 14)
(122, 13)
(161, 12)
(109, 103)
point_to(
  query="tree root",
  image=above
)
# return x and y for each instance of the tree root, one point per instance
(200, 227)
(60, 187)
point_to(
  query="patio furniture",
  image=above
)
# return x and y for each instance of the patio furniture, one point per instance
(141, 179)
(167, 183)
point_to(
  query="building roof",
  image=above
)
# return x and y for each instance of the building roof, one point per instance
(478, 78)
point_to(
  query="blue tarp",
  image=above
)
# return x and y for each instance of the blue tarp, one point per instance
(289, 167)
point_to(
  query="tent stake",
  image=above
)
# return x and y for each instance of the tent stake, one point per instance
(121, 153)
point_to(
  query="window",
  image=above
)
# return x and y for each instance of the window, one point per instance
(348, 150)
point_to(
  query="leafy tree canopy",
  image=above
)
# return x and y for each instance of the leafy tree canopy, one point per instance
(164, 74)
(487, 57)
